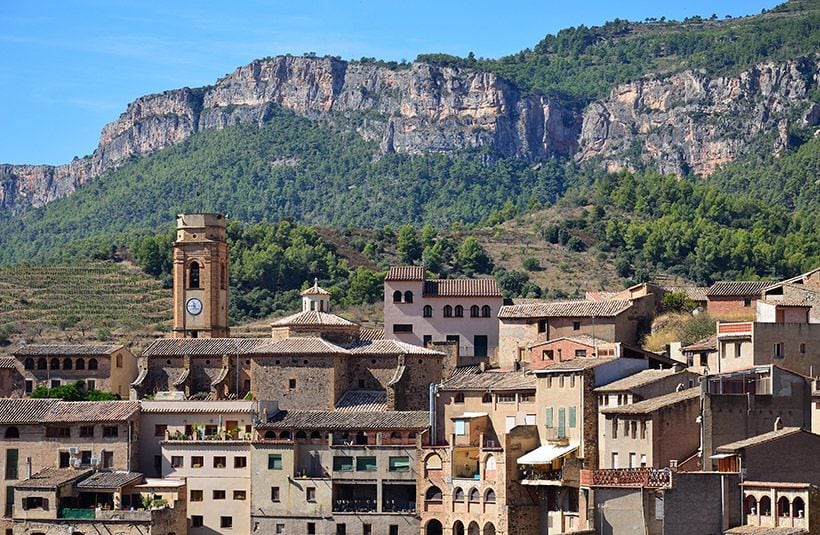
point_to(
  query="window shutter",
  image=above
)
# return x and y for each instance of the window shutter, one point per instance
(549, 417)
(572, 417)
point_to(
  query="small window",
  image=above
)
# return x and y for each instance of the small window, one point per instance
(225, 521)
(580, 353)
(747, 302)
(542, 326)
(547, 354)
(399, 464)
(274, 461)
(55, 383)
(402, 327)
(486, 311)
(29, 386)
(119, 360)
(802, 349)
(341, 529)
(427, 311)
(448, 311)
(394, 529)
(196, 521)
(196, 495)
(474, 495)
(240, 462)
(342, 463)
(505, 398)
(197, 461)
(177, 462)
(311, 528)
(397, 296)
(240, 495)
(576, 325)
(92, 364)
(459, 311)
(110, 431)
(292, 383)
(459, 398)
(460, 427)
(279, 528)
(29, 363)
(474, 311)
(67, 364)
(193, 275)
(458, 494)
(80, 364)
(42, 364)
(778, 350)
(274, 494)
(738, 347)
(55, 364)
(310, 494)
(487, 398)
(489, 496)
(366, 464)
(219, 495)
(12, 432)
(526, 397)
(220, 461)
(614, 428)
(433, 494)
(408, 296)
(86, 431)
(160, 429)
(549, 421)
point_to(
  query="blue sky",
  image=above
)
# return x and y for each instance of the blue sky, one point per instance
(70, 67)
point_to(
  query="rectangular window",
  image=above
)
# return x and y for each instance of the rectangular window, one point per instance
(111, 431)
(549, 417)
(9, 502)
(509, 423)
(643, 430)
(86, 431)
(160, 429)
(547, 354)
(480, 345)
(177, 462)
(633, 426)
(292, 384)
(427, 340)
(529, 419)
(562, 431)
(367, 529)
(196, 495)
(85, 457)
(210, 430)
(219, 495)
(394, 529)
(58, 432)
(542, 326)
(220, 461)
(225, 521)
(274, 461)
(55, 383)
(239, 495)
(119, 360)
(778, 350)
(240, 462)
(399, 464)
(526, 397)
(310, 494)
(91, 384)
(580, 353)
(738, 346)
(633, 459)
(341, 529)
(505, 398)
(366, 464)
(12, 456)
(802, 349)
(402, 327)
(576, 325)
(614, 428)
(280, 528)
(311, 528)
(643, 460)
(197, 461)
(274, 494)
(572, 417)
(572, 381)
(342, 463)
(615, 460)
(196, 521)
(560, 381)
(65, 457)
(747, 302)
(461, 427)
(29, 386)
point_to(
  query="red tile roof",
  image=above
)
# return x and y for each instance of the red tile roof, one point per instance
(461, 288)
(738, 288)
(66, 349)
(405, 273)
(567, 309)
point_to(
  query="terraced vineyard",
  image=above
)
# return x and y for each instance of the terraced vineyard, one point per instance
(88, 301)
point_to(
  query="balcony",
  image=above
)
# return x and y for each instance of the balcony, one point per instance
(391, 506)
(355, 506)
(539, 476)
(650, 478)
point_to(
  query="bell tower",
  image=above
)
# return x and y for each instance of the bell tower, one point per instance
(200, 277)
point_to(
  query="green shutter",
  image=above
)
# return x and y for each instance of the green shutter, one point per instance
(562, 422)
(11, 463)
(549, 417)
(572, 417)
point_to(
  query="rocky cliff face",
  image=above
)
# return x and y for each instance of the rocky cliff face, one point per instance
(412, 110)
(683, 123)
(692, 123)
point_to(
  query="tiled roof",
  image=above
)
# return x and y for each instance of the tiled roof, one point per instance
(759, 439)
(706, 344)
(474, 379)
(369, 334)
(301, 345)
(583, 339)
(695, 293)
(405, 273)
(7, 363)
(569, 309)
(91, 411)
(362, 400)
(170, 347)
(643, 377)
(766, 530)
(737, 288)
(315, 289)
(313, 317)
(51, 478)
(331, 420)
(653, 404)
(24, 410)
(390, 347)
(66, 349)
(461, 288)
(109, 480)
(789, 302)
(574, 365)
(185, 406)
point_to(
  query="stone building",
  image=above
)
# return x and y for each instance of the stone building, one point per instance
(795, 345)
(735, 299)
(65, 501)
(468, 474)
(103, 367)
(12, 383)
(348, 470)
(419, 311)
(792, 507)
(48, 433)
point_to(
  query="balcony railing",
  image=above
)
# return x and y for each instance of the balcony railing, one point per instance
(354, 506)
(391, 506)
(76, 513)
(627, 477)
(535, 474)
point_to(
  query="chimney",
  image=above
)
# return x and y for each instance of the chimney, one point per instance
(778, 424)
(482, 366)
(28, 468)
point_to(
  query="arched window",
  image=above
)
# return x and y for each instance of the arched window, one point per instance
(473, 529)
(411, 435)
(12, 432)
(459, 311)
(750, 505)
(432, 463)
(489, 496)
(193, 275)
(92, 364)
(29, 363)
(458, 398)
(408, 296)
(270, 435)
(765, 506)
(487, 398)
(301, 435)
(427, 311)
(458, 494)
(433, 494)
(489, 529)
(395, 435)
(42, 364)
(474, 311)
(315, 435)
(783, 506)
(489, 464)
(80, 364)
(798, 508)
(55, 364)
(474, 495)
(67, 364)
(448, 311)
(397, 296)
(486, 312)
(284, 435)
(458, 528)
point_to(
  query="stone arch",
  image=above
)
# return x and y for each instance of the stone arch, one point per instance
(432, 463)
(474, 496)
(42, 364)
(750, 505)
(489, 496)
(92, 364)
(193, 275)
(765, 506)
(301, 435)
(284, 435)
(458, 494)
(433, 494)
(473, 528)
(67, 363)
(489, 529)
(433, 527)
(55, 364)
(798, 507)
(29, 363)
(490, 463)
(783, 506)
(12, 432)
(458, 527)
(458, 311)
(80, 364)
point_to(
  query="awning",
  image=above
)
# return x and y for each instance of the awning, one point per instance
(545, 454)
(469, 415)
(722, 455)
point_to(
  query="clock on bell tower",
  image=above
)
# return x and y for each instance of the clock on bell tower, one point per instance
(200, 277)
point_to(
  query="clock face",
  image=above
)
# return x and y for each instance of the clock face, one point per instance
(193, 306)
